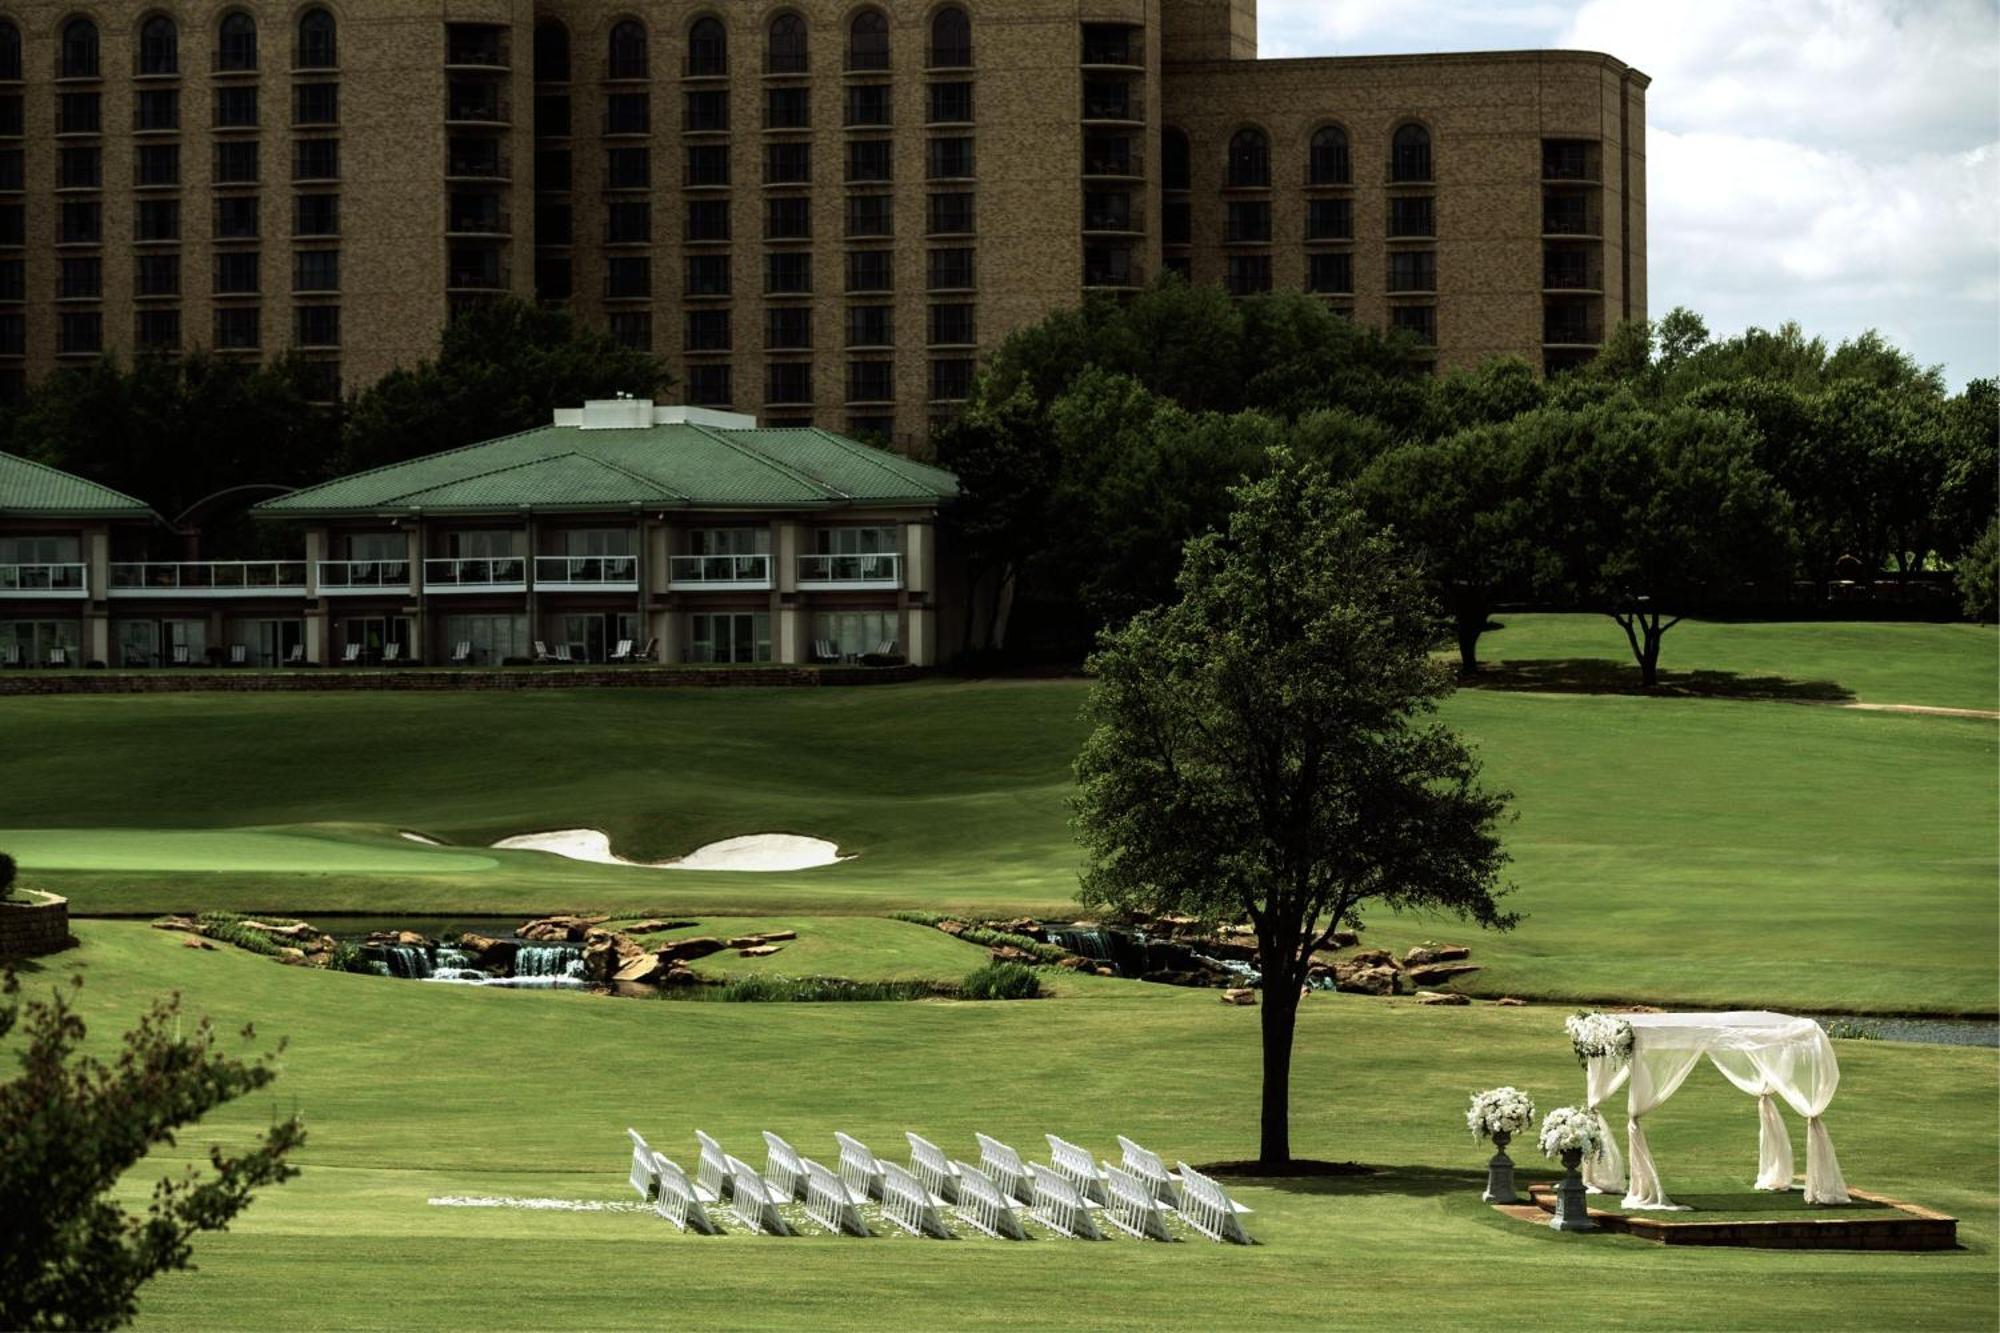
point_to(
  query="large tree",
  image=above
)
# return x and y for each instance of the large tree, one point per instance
(71, 1126)
(1265, 747)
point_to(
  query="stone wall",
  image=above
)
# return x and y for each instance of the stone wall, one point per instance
(34, 923)
(417, 678)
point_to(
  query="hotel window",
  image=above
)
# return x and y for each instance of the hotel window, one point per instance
(236, 107)
(316, 271)
(632, 113)
(787, 109)
(236, 162)
(13, 225)
(1329, 219)
(554, 277)
(628, 222)
(870, 215)
(80, 278)
(1248, 221)
(788, 382)
(1331, 274)
(707, 164)
(236, 218)
(708, 48)
(788, 218)
(1176, 161)
(13, 336)
(705, 110)
(868, 160)
(552, 167)
(950, 270)
(868, 104)
(708, 384)
(949, 159)
(628, 276)
(1328, 163)
(1412, 216)
(157, 109)
(316, 104)
(1410, 154)
(316, 46)
(238, 328)
(1109, 266)
(870, 271)
(788, 328)
(79, 332)
(787, 163)
(1249, 159)
(1107, 210)
(879, 431)
(316, 215)
(318, 325)
(629, 169)
(950, 214)
(733, 637)
(14, 278)
(708, 275)
(236, 273)
(159, 275)
(10, 115)
(868, 41)
(951, 39)
(627, 51)
(1413, 271)
(80, 222)
(853, 633)
(10, 51)
(316, 160)
(785, 47)
(1420, 320)
(788, 274)
(79, 169)
(708, 331)
(1107, 99)
(79, 113)
(1248, 274)
(157, 220)
(632, 328)
(79, 50)
(159, 46)
(159, 164)
(157, 330)
(552, 113)
(951, 380)
(1109, 44)
(871, 381)
(871, 326)
(951, 325)
(708, 220)
(1176, 222)
(950, 104)
(236, 43)
(13, 170)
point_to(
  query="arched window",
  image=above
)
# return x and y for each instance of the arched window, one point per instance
(236, 42)
(1410, 154)
(317, 49)
(551, 52)
(10, 51)
(1176, 162)
(79, 49)
(868, 41)
(1329, 164)
(785, 52)
(951, 39)
(1249, 159)
(708, 47)
(159, 46)
(628, 50)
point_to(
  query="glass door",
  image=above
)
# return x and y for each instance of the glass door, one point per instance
(585, 636)
(138, 643)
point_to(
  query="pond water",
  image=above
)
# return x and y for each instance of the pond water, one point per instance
(1935, 1031)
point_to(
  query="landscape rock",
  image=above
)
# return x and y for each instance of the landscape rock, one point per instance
(1435, 953)
(678, 975)
(691, 948)
(1636, 1009)
(1022, 925)
(953, 928)
(1100, 971)
(196, 942)
(775, 936)
(1239, 995)
(758, 951)
(1434, 974)
(175, 923)
(1074, 963)
(1510, 1002)
(1359, 979)
(296, 930)
(291, 957)
(1008, 953)
(488, 953)
(1442, 997)
(559, 929)
(655, 926)
(1235, 949)
(1372, 958)
(645, 968)
(397, 939)
(1345, 939)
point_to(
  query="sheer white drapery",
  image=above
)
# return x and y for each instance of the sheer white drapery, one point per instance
(1765, 1054)
(1604, 1173)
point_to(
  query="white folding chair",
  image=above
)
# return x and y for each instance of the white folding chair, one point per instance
(392, 653)
(352, 655)
(1207, 1207)
(1149, 1168)
(1129, 1203)
(1058, 1205)
(859, 1170)
(929, 1165)
(296, 656)
(10, 655)
(622, 653)
(239, 654)
(751, 1204)
(830, 1203)
(711, 1169)
(984, 1206)
(183, 655)
(1078, 1165)
(783, 1171)
(643, 1177)
(461, 652)
(59, 656)
(1006, 1168)
(542, 653)
(677, 1200)
(908, 1204)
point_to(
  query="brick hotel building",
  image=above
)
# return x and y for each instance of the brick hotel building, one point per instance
(816, 212)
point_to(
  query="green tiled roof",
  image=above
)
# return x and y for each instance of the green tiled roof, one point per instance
(673, 465)
(30, 489)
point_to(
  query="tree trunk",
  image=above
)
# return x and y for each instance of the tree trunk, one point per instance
(1003, 607)
(1649, 657)
(1280, 1016)
(1469, 615)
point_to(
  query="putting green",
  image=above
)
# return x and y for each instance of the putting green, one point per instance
(239, 850)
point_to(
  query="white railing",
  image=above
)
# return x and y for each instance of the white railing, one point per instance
(719, 571)
(850, 571)
(500, 573)
(587, 571)
(60, 580)
(351, 576)
(228, 578)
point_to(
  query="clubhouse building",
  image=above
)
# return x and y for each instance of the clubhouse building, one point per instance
(621, 531)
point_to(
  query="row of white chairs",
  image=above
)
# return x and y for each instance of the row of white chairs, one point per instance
(1068, 1193)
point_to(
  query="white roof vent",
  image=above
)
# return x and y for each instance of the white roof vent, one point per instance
(638, 413)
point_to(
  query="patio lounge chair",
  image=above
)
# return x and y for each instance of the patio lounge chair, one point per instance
(10, 655)
(649, 652)
(183, 655)
(352, 655)
(239, 655)
(461, 653)
(392, 654)
(59, 656)
(622, 653)
(825, 651)
(296, 657)
(563, 656)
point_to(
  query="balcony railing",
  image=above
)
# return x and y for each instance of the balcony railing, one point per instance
(58, 580)
(863, 572)
(338, 577)
(502, 573)
(222, 578)
(691, 573)
(616, 573)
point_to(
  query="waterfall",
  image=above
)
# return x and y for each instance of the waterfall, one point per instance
(548, 960)
(1087, 941)
(1249, 975)
(450, 955)
(406, 960)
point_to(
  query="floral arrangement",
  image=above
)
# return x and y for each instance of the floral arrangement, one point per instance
(1595, 1034)
(1569, 1129)
(1499, 1111)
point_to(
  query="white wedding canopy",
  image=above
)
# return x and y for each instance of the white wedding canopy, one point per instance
(1766, 1055)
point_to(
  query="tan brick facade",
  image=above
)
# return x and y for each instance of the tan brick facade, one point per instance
(448, 165)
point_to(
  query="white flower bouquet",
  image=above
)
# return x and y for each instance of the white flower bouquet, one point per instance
(1499, 1111)
(1595, 1034)
(1571, 1129)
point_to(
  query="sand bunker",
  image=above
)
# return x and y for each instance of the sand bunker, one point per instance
(756, 851)
(418, 837)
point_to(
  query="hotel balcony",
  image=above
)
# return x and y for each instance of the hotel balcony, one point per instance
(339, 578)
(726, 573)
(504, 573)
(219, 578)
(850, 573)
(44, 581)
(585, 573)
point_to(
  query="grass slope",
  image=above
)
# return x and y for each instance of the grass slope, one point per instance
(415, 1091)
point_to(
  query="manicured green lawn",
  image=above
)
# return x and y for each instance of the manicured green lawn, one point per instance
(413, 1091)
(1943, 666)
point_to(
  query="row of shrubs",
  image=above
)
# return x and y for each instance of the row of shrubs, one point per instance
(985, 935)
(995, 981)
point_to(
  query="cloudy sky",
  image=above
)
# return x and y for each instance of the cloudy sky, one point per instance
(1836, 162)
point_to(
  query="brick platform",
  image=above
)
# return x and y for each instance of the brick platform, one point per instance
(1909, 1226)
(433, 678)
(34, 923)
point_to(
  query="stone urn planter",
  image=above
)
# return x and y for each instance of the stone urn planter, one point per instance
(1572, 1212)
(33, 923)
(1500, 1172)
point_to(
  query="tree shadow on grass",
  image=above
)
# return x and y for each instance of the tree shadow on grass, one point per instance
(1597, 675)
(1409, 1181)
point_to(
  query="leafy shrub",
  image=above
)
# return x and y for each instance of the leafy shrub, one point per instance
(228, 927)
(7, 869)
(347, 957)
(920, 918)
(804, 990)
(1001, 981)
(996, 939)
